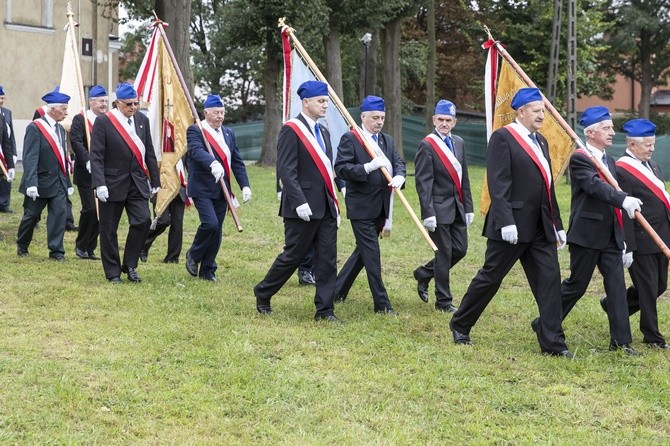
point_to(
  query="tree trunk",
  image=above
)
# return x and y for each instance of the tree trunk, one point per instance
(177, 13)
(391, 90)
(430, 74)
(646, 81)
(331, 44)
(271, 89)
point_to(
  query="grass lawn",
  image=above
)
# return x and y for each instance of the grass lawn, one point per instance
(180, 361)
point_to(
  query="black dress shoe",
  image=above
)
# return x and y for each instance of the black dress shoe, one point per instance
(657, 345)
(535, 324)
(144, 255)
(388, 310)
(422, 288)
(57, 257)
(449, 308)
(7, 211)
(562, 354)
(21, 252)
(626, 348)
(306, 278)
(603, 303)
(132, 274)
(211, 278)
(460, 338)
(81, 254)
(92, 256)
(191, 266)
(330, 318)
(170, 260)
(71, 228)
(115, 280)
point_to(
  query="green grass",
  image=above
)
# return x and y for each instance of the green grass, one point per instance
(178, 361)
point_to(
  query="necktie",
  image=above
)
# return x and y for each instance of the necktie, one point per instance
(533, 137)
(447, 141)
(646, 164)
(130, 121)
(319, 139)
(375, 138)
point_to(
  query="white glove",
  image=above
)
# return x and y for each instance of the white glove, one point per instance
(16, 159)
(386, 230)
(630, 205)
(627, 259)
(397, 181)
(102, 193)
(88, 166)
(344, 192)
(469, 218)
(279, 195)
(562, 239)
(32, 192)
(510, 234)
(11, 174)
(217, 170)
(246, 194)
(376, 163)
(70, 191)
(304, 211)
(430, 223)
(154, 190)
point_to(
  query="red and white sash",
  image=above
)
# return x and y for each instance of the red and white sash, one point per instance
(617, 211)
(127, 132)
(90, 120)
(320, 159)
(449, 161)
(218, 143)
(646, 177)
(525, 143)
(50, 135)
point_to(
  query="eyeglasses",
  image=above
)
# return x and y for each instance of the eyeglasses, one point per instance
(130, 104)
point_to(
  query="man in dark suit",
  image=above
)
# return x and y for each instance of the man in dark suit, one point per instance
(596, 233)
(523, 223)
(46, 180)
(368, 198)
(639, 176)
(308, 203)
(87, 237)
(124, 173)
(204, 173)
(443, 187)
(7, 131)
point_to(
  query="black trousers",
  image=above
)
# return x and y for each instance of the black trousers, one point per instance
(56, 214)
(452, 245)
(366, 254)
(5, 193)
(139, 220)
(540, 263)
(649, 273)
(172, 217)
(583, 262)
(87, 237)
(299, 237)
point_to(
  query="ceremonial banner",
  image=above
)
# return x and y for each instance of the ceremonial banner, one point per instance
(169, 114)
(560, 143)
(295, 73)
(70, 81)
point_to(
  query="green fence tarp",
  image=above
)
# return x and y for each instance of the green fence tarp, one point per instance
(250, 137)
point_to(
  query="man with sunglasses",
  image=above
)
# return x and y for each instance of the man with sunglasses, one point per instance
(124, 173)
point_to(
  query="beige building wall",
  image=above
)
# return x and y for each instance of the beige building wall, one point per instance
(626, 97)
(32, 42)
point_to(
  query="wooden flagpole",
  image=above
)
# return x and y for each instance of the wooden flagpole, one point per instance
(354, 127)
(604, 172)
(222, 183)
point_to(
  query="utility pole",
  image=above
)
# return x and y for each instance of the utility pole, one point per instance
(572, 64)
(555, 50)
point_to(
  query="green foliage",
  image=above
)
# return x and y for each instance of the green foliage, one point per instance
(662, 121)
(179, 361)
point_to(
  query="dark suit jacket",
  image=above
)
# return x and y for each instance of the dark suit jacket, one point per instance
(80, 147)
(653, 210)
(518, 191)
(200, 180)
(41, 168)
(114, 165)
(300, 179)
(367, 194)
(6, 143)
(592, 215)
(436, 190)
(7, 114)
